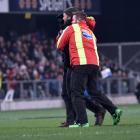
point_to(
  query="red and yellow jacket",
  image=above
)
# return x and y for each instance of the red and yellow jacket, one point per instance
(90, 22)
(81, 42)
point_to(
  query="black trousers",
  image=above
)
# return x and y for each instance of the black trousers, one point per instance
(82, 77)
(92, 105)
(70, 113)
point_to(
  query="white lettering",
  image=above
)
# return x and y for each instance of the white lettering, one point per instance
(51, 5)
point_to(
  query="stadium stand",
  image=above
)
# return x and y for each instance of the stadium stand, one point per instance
(29, 60)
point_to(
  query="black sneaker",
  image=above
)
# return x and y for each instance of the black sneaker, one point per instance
(64, 124)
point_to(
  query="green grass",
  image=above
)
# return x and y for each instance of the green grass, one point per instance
(43, 125)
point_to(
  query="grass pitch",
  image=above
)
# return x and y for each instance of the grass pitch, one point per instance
(43, 125)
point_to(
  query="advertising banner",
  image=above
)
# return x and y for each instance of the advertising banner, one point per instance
(4, 6)
(53, 6)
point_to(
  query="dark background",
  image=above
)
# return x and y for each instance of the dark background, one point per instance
(119, 21)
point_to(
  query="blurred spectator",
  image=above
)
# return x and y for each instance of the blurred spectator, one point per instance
(137, 92)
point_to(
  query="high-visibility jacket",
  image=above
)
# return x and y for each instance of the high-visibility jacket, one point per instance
(90, 21)
(81, 42)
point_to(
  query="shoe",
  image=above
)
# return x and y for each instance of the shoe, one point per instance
(85, 125)
(75, 125)
(99, 118)
(64, 124)
(116, 116)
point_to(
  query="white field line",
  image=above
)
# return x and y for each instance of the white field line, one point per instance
(69, 134)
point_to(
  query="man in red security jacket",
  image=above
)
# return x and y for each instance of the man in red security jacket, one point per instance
(90, 104)
(85, 65)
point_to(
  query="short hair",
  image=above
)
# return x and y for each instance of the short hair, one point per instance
(69, 11)
(80, 14)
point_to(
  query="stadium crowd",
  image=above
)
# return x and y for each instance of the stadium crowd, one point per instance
(34, 57)
(30, 57)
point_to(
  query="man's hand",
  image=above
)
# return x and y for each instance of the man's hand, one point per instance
(59, 34)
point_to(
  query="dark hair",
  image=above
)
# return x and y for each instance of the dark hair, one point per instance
(80, 14)
(69, 11)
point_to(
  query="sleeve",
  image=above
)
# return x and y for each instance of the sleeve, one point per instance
(64, 38)
(91, 22)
